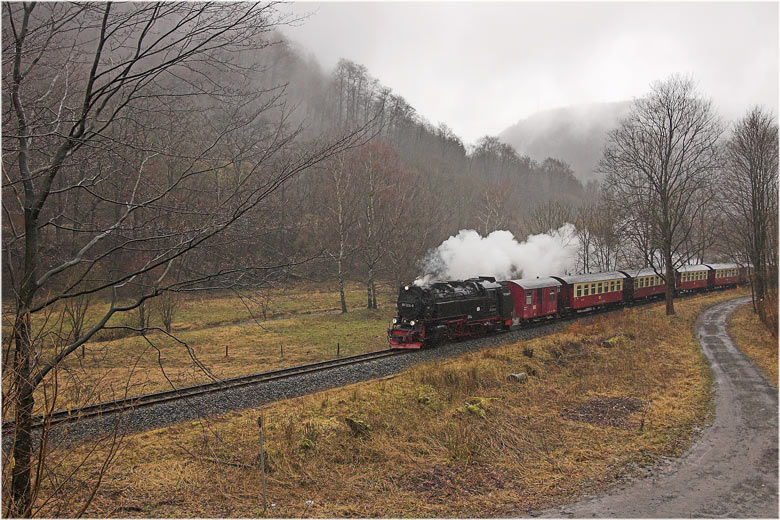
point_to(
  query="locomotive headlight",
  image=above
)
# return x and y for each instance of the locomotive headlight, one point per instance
(406, 287)
(395, 321)
(411, 323)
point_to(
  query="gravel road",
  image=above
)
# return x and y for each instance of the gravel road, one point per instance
(732, 470)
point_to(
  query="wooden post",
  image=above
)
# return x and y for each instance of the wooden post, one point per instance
(338, 350)
(262, 460)
(281, 351)
(226, 351)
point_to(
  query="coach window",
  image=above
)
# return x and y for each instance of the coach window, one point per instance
(598, 288)
(579, 290)
(552, 295)
(528, 298)
(587, 290)
(592, 288)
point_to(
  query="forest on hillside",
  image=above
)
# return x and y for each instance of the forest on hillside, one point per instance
(230, 159)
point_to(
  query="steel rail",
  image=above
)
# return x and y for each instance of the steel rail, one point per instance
(130, 403)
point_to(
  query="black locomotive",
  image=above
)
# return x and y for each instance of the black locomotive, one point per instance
(443, 311)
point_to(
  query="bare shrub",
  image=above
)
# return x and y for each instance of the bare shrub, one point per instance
(166, 306)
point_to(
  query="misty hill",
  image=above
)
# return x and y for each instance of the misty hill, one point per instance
(575, 134)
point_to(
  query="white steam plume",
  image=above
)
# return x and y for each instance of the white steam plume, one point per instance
(468, 254)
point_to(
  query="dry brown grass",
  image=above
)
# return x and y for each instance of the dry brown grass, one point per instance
(139, 365)
(448, 438)
(753, 338)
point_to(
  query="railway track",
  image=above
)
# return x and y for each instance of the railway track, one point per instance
(133, 403)
(152, 399)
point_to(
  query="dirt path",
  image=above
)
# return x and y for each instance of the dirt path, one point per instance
(731, 471)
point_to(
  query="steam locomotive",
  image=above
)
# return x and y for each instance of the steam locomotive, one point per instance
(433, 313)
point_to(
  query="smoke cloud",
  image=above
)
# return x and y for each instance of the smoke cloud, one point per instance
(468, 254)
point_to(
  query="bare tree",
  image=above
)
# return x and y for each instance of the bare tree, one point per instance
(601, 237)
(750, 185)
(549, 216)
(140, 112)
(75, 317)
(338, 219)
(494, 209)
(658, 163)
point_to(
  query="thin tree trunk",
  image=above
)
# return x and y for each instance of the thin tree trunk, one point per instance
(21, 488)
(669, 286)
(341, 292)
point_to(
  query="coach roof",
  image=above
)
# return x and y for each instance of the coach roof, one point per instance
(689, 268)
(536, 283)
(593, 277)
(646, 271)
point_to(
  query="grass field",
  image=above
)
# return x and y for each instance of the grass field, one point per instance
(753, 338)
(203, 329)
(201, 310)
(449, 438)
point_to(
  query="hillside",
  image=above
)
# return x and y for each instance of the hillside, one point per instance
(575, 134)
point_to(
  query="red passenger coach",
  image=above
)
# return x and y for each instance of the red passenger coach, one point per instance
(725, 274)
(534, 298)
(692, 277)
(591, 290)
(644, 284)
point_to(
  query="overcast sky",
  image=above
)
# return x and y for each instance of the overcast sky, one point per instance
(480, 67)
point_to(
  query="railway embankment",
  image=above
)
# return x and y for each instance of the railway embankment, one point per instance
(600, 400)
